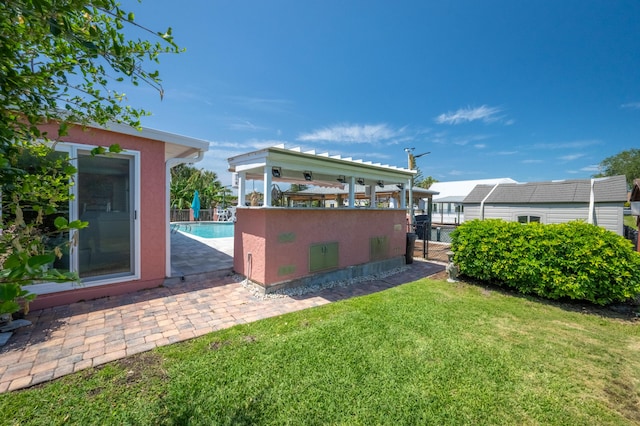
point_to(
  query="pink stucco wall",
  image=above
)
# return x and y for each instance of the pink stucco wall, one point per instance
(152, 216)
(272, 244)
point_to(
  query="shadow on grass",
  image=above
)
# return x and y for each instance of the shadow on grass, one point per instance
(626, 311)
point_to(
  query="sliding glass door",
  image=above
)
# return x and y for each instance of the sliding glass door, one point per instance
(105, 198)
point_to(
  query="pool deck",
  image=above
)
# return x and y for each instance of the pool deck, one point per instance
(191, 255)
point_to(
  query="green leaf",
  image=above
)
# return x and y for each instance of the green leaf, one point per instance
(60, 222)
(41, 260)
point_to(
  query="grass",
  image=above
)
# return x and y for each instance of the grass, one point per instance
(427, 352)
(630, 221)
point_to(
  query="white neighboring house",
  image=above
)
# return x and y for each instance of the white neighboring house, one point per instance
(447, 205)
(599, 201)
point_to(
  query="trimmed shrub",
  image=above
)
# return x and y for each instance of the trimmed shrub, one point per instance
(575, 259)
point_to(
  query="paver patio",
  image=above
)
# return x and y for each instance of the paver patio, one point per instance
(66, 339)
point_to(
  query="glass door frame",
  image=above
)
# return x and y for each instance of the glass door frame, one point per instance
(73, 150)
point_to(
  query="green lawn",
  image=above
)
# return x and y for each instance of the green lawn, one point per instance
(630, 221)
(427, 352)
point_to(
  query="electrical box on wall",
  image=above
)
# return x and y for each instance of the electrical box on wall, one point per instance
(378, 248)
(323, 256)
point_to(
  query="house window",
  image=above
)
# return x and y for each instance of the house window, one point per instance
(529, 219)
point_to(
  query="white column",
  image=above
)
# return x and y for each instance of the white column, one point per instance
(242, 187)
(372, 201)
(403, 197)
(411, 215)
(352, 191)
(267, 186)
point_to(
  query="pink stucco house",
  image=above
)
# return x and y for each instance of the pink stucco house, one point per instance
(125, 198)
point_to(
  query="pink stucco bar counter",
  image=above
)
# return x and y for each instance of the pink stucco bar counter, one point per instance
(278, 248)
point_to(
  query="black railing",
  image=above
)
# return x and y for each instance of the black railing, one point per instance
(183, 215)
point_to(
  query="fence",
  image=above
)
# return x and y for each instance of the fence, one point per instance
(183, 215)
(433, 241)
(631, 235)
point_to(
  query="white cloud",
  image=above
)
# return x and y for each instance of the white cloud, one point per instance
(262, 104)
(571, 157)
(484, 113)
(631, 105)
(445, 139)
(532, 161)
(246, 125)
(368, 133)
(480, 145)
(506, 152)
(591, 169)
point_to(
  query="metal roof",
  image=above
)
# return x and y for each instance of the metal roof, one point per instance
(609, 189)
(461, 188)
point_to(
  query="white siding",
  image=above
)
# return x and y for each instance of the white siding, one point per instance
(609, 216)
(471, 212)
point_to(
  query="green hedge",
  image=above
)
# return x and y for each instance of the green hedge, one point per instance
(575, 259)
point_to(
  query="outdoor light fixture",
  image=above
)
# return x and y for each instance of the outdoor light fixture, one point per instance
(276, 172)
(381, 184)
(400, 186)
(360, 181)
(342, 179)
(307, 175)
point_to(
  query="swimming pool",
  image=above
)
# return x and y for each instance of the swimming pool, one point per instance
(205, 229)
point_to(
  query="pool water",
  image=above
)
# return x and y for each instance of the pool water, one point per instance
(205, 229)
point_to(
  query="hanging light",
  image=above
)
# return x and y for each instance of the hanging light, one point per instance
(307, 175)
(276, 172)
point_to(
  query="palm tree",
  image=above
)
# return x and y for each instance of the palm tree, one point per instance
(185, 180)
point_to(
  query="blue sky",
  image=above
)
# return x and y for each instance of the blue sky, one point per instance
(531, 90)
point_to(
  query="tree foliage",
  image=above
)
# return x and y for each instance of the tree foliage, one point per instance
(419, 179)
(60, 61)
(426, 182)
(185, 180)
(625, 163)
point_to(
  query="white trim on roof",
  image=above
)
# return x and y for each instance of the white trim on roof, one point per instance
(254, 158)
(157, 135)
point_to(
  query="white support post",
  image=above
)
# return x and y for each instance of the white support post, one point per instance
(373, 202)
(242, 185)
(412, 218)
(267, 186)
(403, 198)
(352, 192)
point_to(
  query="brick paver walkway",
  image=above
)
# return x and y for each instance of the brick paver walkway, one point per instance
(70, 338)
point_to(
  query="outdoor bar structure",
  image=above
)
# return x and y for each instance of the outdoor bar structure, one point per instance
(280, 247)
